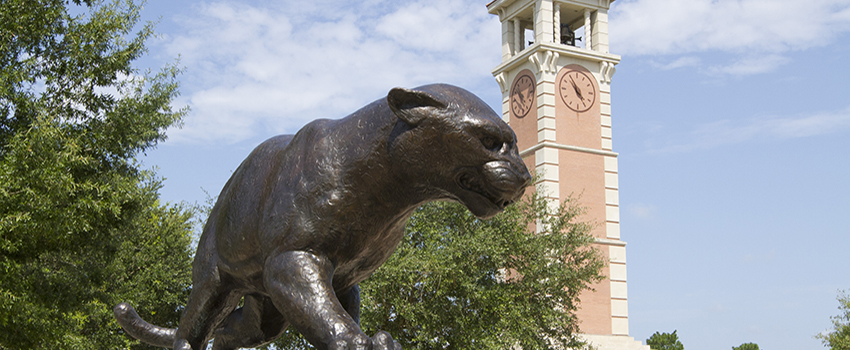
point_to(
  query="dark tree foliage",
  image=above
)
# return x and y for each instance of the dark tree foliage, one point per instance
(457, 282)
(746, 346)
(839, 337)
(665, 341)
(81, 226)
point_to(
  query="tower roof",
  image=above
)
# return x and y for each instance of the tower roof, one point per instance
(494, 5)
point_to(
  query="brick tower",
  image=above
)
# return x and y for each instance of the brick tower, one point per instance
(555, 78)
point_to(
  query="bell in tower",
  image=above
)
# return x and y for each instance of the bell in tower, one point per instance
(556, 95)
(568, 36)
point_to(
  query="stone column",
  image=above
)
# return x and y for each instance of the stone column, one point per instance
(600, 30)
(557, 23)
(543, 22)
(519, 42)
(587, 30)
(508, 41)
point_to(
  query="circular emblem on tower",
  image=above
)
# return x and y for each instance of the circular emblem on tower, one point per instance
(577, 90)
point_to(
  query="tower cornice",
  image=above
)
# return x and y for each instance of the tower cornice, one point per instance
(562, 50)
(494, 6)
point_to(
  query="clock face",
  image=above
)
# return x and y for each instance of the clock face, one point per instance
(522, 95)
(577, 90)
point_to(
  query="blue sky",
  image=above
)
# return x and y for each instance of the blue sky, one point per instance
(731, 118)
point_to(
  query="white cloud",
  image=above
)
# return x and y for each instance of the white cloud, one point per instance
(729, 132)
(424, 26)
(745, 29)
(749, 65)
(652, 27)
(818, 124)
(271, 69)
(680, 62)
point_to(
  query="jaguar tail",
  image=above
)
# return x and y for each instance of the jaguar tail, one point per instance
(138, 328)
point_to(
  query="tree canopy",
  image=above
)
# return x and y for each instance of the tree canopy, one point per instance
(458, 282)
(665, 341)
(746, 346)
(81, 225)
(839, 337)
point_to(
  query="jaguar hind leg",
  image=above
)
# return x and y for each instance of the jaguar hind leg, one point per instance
(212, 298)
(256, 323)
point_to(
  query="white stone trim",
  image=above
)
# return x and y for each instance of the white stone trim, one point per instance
(605, 109)
(494, 6)
(605, 97)
(612, 180)
(610, 242)
(606, 132)
(519, 41)
(611, 163)
(588, 28)
(556, 24)
(546, 123)
(612, 230)
(617, 254)
(546, 156)
(545, 135)
(614, 342)
(619, 290)
(500, 78)
(522, 56)
(619, 308)
(619, 326)
(612, 197)
(546, 110)
(617, 272)
(608, 71)
(545, 88)
(549, 189)
(540, 145)
(549, 172)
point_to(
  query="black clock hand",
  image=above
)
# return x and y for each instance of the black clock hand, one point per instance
(578, 91)
(517, 102)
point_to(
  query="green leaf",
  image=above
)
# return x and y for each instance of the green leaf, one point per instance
(76, 211)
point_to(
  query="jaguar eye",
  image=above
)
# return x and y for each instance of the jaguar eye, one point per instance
(491, 143)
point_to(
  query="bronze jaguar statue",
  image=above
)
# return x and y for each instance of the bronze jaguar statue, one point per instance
(305, 218)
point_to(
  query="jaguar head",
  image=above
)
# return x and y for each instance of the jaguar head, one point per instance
(470, 154)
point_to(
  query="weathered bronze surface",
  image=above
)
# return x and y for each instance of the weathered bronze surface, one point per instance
(305, 218)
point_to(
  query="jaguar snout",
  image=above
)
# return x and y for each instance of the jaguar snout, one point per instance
(488, 189)
(525, 176)
(506, 177)
(508, 181)
(510, 197)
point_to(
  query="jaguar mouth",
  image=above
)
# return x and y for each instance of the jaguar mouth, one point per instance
(469, 181)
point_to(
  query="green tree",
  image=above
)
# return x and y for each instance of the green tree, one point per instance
(839, 337)
(458, 282)
(81, 226)
(746, 346)
(665, 341)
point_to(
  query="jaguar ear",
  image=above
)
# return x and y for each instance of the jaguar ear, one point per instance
(412, 106)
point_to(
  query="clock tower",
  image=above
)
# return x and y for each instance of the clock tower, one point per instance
(555, 78)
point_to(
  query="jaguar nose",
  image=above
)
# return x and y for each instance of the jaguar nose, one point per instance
(524, 177)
